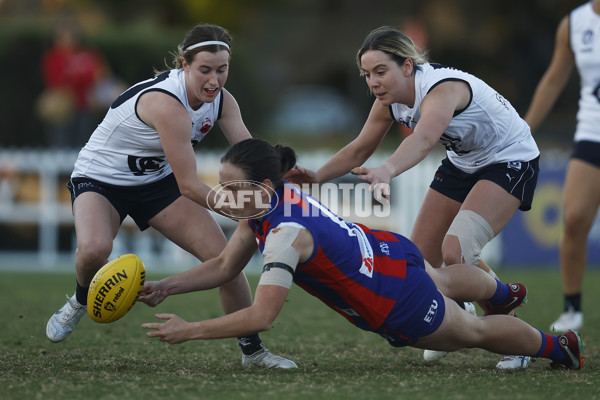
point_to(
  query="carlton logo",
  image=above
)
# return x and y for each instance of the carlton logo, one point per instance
(233, 197)
(145, 165)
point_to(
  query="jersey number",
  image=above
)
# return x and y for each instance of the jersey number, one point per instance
(368, 260)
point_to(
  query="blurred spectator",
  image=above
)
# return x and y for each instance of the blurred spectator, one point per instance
(70, 73)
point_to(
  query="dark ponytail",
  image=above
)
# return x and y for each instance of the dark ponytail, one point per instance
(260, 160)
(287, 155)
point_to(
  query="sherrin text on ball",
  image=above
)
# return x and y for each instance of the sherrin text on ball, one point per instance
(115, 288)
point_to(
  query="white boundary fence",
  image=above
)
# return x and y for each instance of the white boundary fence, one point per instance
(48, 208)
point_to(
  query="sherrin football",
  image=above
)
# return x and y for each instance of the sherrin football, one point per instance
(115, 288)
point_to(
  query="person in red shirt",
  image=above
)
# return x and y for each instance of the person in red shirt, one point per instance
(70, 72)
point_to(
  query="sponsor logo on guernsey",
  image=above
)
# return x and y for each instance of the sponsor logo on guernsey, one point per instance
(385, 249)
(409, 122)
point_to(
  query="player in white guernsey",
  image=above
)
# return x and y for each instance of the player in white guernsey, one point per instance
(492, 159)
(577, 43)
(140, 162)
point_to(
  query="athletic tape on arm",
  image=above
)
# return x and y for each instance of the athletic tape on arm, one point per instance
(279, 254)
(473, 232)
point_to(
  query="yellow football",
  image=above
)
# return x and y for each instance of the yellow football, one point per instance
(115, 288)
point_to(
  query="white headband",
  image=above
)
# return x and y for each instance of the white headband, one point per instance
(208, 43)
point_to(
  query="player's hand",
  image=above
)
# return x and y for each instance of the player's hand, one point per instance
(379, 178)
(171, 331)
(299, 176)
(153, 293)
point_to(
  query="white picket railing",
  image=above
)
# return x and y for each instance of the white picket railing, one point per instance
(48, 208)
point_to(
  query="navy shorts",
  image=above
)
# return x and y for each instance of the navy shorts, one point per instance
(518, 178)
(141, 202)
(418, 314)
(587, 151)
(420, 307)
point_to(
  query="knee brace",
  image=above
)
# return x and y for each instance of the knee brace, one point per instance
(473, 233)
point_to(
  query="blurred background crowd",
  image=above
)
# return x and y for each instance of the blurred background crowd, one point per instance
(293, 69)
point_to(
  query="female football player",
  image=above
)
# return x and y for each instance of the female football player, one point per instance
(491, 166)
(378, 280)
(575, 46)
(140, 162)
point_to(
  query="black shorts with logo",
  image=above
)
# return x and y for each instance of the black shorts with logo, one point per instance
(587, 151)
(140, 202)
(518, 178)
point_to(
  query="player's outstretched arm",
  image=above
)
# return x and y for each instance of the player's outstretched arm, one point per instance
(208, 275)
(259, 317)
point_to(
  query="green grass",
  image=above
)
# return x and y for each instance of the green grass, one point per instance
(336, 360)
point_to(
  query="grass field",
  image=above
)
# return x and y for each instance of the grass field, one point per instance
(336, 360)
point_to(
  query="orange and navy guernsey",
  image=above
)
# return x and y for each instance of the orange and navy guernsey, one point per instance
(375, 279)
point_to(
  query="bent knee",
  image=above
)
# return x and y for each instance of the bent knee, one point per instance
(466, 237)
(451, 250)
(93, 252)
